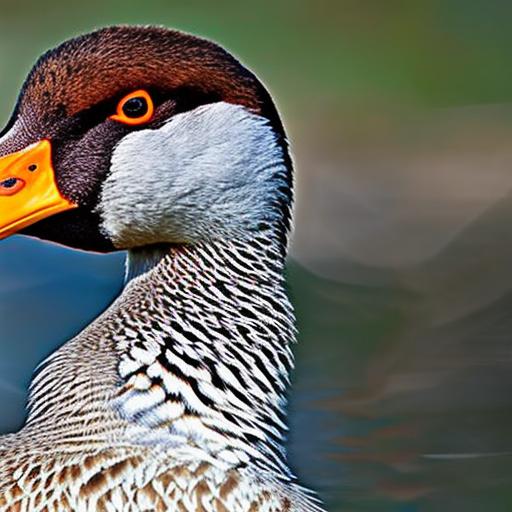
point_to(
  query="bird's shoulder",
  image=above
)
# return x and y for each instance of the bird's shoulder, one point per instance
(127, 479)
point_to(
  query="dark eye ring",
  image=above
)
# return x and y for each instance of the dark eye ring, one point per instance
(135, 109)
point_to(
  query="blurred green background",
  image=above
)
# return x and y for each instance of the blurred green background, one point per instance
(400, 118)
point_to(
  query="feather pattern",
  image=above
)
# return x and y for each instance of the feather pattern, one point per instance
(173, 399)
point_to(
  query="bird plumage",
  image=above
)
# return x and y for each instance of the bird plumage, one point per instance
(175, 397)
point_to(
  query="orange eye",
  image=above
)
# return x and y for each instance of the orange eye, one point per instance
(135, 108)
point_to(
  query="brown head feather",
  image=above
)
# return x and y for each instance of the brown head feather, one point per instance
(88, 69)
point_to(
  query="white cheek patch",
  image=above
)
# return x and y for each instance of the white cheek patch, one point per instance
(211, 172)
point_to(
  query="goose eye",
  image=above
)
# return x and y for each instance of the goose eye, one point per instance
(134, 109)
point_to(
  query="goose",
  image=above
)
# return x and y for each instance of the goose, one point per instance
(161, 144)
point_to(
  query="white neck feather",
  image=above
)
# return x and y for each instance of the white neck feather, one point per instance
(205, 356)
(217, 172)
(202, 333)
(142, 260)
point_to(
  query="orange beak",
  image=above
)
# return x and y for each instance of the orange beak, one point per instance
(28, 190)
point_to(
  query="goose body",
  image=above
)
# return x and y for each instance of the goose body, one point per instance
(162, 144)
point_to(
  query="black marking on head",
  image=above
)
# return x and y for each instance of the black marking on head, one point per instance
(74, 88)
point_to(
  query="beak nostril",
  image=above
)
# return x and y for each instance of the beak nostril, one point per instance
(9, 183)
(27, 197)
(11, 186)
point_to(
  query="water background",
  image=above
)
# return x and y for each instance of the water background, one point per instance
(390, 409)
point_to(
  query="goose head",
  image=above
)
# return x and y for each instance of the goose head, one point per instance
(129, 137)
